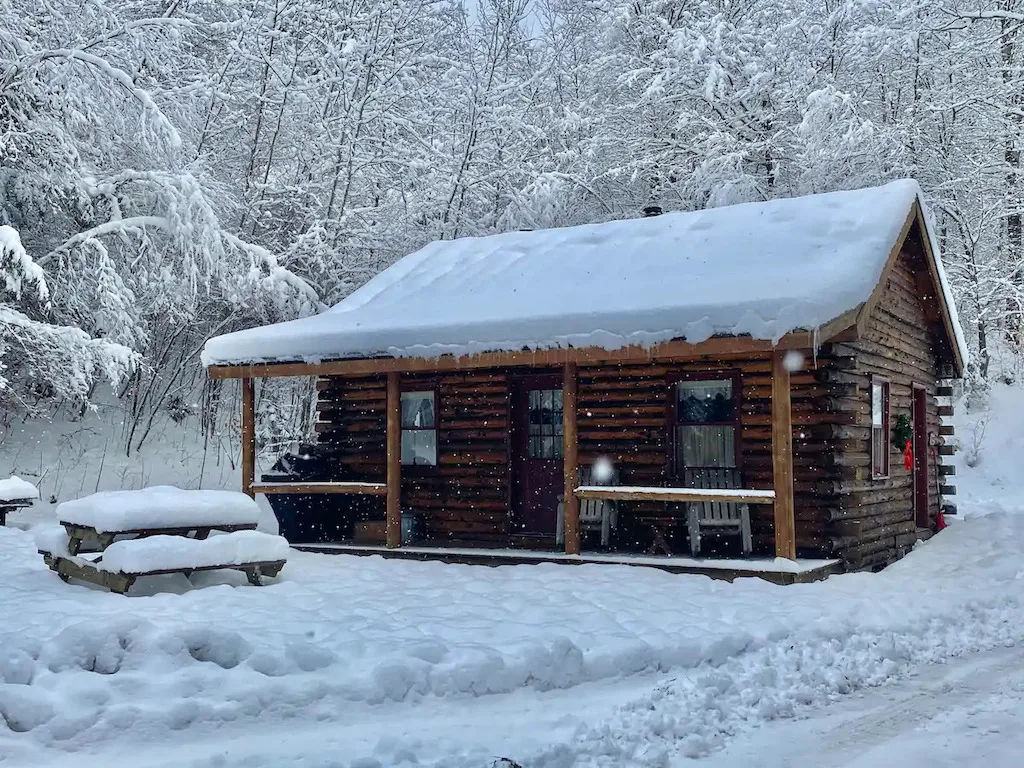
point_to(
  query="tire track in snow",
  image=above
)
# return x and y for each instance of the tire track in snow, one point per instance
(699, 712)
(907, 710)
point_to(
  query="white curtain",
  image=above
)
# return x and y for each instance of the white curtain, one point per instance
(706, 446)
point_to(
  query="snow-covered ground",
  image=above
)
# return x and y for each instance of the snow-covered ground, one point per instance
(619, 666)
(362, 662)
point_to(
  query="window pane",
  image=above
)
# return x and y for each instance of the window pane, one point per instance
(879, 452)
(706, 446)
(702, 401)
(877, 405)
(419, 446)
(548, 447)
(545, 405)
(418, 409)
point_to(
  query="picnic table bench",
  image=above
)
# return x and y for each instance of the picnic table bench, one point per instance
(159, 531)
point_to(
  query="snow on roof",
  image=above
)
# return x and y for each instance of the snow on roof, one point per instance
(757, 269)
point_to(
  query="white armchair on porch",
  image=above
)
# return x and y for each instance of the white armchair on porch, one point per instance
(595, 514)
(717, 515)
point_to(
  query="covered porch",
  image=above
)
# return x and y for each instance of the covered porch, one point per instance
(618, 416)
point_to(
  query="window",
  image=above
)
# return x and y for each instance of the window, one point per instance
(879, 428)
(545, 424)
(705, 424)
(419, 429)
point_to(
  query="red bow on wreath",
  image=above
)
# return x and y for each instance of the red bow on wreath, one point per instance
(908, 456)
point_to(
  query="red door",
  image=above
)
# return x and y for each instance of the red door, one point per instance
(537, 454)
(920, 419)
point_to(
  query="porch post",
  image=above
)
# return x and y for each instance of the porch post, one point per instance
(570, 461)
(394, 462)
(782, 458)
(248, 436)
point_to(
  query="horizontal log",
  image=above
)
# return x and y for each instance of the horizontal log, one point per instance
(944, 391)
(947, 490)
(874, 534)
(947, 450)
(945, 411)
(374, 489)
(887, 543)
(947, 430)
(946, 470)
(857, 527)
(871, 562)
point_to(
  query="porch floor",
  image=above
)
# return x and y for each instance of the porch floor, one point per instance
(776, 570)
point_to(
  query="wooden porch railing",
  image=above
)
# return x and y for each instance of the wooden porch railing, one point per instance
(373, 489)
(643, 493)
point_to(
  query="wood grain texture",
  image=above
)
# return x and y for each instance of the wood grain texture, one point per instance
(372, 489)
(570, 460)
(393, 419)
(782, 459)
(634, 493)
(248, 436)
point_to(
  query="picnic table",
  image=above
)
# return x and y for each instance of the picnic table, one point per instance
(15, 494)
(157, 531)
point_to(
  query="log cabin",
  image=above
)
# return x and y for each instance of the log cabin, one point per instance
(758, 380)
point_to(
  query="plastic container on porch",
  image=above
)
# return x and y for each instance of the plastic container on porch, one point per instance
(412, 526)
(374, 532)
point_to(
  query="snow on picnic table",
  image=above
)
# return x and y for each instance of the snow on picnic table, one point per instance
(80, 667)
(161, 506)
(14, 488)
(165, 553)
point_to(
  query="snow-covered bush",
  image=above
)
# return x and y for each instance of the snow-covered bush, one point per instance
(37, 358)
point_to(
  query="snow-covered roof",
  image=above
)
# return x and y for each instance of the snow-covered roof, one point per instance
(757, 269)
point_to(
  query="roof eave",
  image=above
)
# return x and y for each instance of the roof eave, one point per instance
(715, 347)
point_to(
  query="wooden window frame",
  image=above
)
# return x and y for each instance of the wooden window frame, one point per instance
(672, 420)
(421, 387)
(886, 427)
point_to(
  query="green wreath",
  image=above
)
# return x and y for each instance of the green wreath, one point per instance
(902, 431)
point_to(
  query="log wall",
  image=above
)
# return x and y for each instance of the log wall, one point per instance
(902, 343)
(466, 495)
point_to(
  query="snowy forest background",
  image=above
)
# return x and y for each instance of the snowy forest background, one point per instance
(175, 169)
